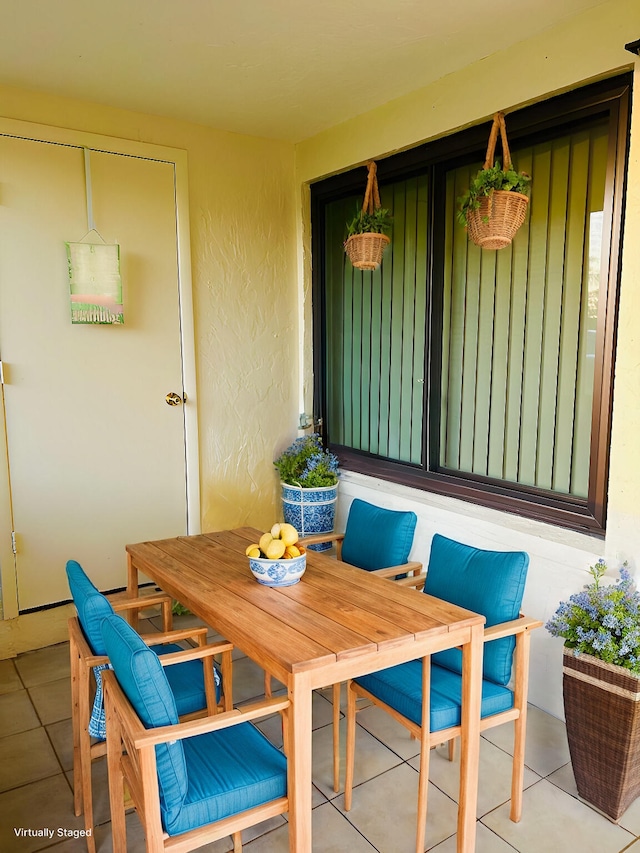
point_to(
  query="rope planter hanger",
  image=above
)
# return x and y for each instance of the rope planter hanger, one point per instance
(366, 241)
(495, 205)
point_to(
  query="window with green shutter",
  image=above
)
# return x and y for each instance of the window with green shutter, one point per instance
(519, 326)
(485, 375)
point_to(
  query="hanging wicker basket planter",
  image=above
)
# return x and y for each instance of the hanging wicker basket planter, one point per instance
(365, 248)
(499, 214)
(602, 711)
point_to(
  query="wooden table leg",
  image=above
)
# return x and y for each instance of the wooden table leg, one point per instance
(299, 765)
(132, 589)
(470, 740)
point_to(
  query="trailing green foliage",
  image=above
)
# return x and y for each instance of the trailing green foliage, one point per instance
(488, 180)
(602, 621)
(307, 464)
(378, 222)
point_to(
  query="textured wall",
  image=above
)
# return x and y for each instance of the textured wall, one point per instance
(243, 237)
(246, 311)
(583, 48)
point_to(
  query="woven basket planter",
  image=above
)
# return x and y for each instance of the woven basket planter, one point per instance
(494, 224)
(602, 711)
(365, 250)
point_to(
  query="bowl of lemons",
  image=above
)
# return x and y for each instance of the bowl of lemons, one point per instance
(277, 559)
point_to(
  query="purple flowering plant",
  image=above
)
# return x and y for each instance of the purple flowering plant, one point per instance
(307, 464)
(602, 620)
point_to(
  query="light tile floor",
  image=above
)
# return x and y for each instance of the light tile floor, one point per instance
(36, 781)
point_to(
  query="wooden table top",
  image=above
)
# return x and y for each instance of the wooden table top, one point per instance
(334, 613)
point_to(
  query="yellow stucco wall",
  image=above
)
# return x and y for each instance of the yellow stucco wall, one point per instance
(582, 49)
(244, 292)
(251, 286)
(242, 219)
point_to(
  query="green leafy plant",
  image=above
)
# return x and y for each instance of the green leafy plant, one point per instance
(486, 182)
(378, 222)
(602, 620)
(307, 464)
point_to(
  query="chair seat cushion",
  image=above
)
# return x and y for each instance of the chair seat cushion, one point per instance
(400, 687)
(186, 681)
(228, 771)
(377, 538)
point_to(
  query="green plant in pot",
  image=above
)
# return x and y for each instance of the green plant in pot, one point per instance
(366, 239)
(378, 222)
(309, 483)
(306, 464)
(600, 626)
(486, 182)
(495, 205)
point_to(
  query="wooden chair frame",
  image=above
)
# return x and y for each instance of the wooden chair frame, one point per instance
(82, 662)
(519, 628)
(131, 759)
(412, 569)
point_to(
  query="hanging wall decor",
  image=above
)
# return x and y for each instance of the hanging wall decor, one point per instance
(94, 271)
(366, 240)
(495, 205)
(94, 282)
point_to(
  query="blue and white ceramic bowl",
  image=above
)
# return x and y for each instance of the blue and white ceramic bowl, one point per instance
(278, 572)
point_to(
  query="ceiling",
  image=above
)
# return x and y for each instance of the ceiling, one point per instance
(285, 69)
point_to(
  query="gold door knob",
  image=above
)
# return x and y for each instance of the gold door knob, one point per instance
(173, 399)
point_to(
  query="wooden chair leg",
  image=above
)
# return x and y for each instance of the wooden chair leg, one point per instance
(267, 685)
(237, 842)
(336, 737)
(521, 665)
(226, 671)
(84, 713)
(116, 786)
(517, 773)
(452, 749)
(75, 728)
(167, 616)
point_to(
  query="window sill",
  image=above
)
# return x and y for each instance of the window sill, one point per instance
(582, 540)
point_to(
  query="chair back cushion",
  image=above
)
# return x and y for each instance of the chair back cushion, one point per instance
(143, 681)
(487, 582)
(377, 538)
(91, 605)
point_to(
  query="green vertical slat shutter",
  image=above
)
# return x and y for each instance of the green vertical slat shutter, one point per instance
(376, 330)
(519, 327)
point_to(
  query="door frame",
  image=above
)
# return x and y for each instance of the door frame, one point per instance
(147, 151)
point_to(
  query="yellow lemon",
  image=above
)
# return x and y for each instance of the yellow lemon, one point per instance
(292, 551)
(275, 530)
(288, 534)
(251, 548)
(265, 539)
(275, 549)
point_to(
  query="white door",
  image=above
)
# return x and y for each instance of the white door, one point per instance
(96, 456)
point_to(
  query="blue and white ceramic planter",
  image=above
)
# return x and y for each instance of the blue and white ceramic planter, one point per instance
(310, 510)
(278, 572)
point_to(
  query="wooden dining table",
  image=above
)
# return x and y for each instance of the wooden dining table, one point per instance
(337, 623)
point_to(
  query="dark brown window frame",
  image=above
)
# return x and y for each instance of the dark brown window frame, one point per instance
(611, 97)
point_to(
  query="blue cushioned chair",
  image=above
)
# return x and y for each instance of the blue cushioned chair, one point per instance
(377, 540)
(487, 582)
(193, 682)
(200, 780)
